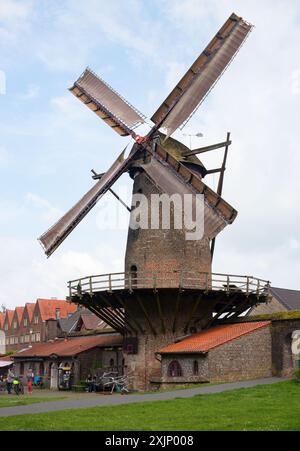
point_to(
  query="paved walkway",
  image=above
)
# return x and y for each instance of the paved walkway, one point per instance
(107, 400)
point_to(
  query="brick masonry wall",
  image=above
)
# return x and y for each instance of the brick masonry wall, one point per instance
(144, 365)
(163, 250)
(248, 357)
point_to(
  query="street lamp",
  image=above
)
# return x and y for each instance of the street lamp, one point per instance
(196, 135)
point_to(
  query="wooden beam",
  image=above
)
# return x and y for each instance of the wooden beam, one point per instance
(209, 148)
(109, 313)
(113, 316)
(223, 309)
(193, 311)
(163, 328)
(145, 314)
(122, 303)
(99, 177)
(176, 310)
(220, 188)
(213, 171)
(104, 318)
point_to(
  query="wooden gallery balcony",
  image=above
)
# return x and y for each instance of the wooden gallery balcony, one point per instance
(115, 298)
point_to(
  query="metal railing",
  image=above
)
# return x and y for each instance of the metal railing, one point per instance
(177, 279)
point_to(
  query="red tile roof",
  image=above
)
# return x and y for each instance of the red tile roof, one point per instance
(70, 347)
(2, 316)
(48, 308)
(208, 339)
(19, 313)
(29, 306)
(9, 316)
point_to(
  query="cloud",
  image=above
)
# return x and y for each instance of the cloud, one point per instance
(31, 93)
(119, 23)
(5, 156)
(49, 213)
(15, 19)
(28, 274)
(12, 10)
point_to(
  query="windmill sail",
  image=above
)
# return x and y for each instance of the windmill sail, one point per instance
(59, 231)
(172, 177)
(107, 103)
(202, 76)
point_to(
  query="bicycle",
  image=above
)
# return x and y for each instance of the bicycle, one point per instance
(18, 387)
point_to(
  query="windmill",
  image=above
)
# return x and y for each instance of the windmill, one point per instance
(174, 112)
(162, 268)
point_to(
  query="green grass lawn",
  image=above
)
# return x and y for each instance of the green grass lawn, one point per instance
(269, 407)
(14, 400)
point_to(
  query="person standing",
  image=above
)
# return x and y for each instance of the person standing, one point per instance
(29, 385)
(9, 381)
(89, 383)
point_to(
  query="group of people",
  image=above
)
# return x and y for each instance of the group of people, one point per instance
(13, 383)
(91, 384)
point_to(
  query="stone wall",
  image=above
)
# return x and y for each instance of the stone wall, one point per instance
(247, 357)
(187, 366)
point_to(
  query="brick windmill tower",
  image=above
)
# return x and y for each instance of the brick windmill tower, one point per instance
(167, 289)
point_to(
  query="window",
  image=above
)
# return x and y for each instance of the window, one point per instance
(38, 336)
(21, 339)
(36, 319)
(16, 340)
(111, 363)
(26, 339)
(25, 322)
(6, 326)
(195, 368)
(174, 369)
(15, 324)
(133, 275)
(33, 338)
(57, 313)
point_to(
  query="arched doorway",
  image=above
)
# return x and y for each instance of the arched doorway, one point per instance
(174, 369)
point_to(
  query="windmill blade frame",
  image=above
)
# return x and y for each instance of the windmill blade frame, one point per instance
(180, 179)
(107, 103)
(198, 81)
(52, 239)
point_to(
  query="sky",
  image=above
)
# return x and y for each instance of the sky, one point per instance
(49, 141)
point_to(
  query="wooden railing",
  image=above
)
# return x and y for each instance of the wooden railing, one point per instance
(177, 279)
